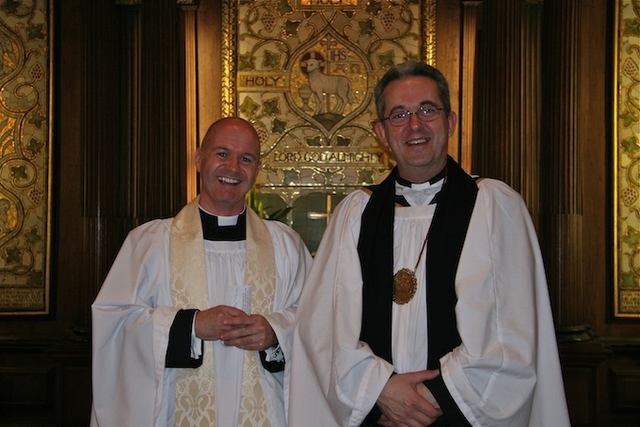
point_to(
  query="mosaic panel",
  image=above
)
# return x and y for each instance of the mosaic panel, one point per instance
(303, 72)
(627, 169)
(24, 156)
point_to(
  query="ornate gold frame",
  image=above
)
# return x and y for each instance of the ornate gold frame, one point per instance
(626, 203)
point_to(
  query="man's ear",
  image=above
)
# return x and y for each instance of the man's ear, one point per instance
(382, 134)
(198, 159)
(452, 118)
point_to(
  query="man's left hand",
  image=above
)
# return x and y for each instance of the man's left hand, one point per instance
(250, 332)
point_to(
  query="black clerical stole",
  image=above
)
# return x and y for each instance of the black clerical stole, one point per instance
(375, 249)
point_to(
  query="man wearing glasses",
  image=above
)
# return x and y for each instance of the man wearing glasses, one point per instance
(427, 302)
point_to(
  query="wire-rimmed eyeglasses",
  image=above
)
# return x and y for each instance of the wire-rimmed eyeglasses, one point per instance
(427, 113)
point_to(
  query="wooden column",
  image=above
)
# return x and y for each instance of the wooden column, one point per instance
(110, 131)
(507, 110)
(470, 18)
(562, 180)
(131, 48)
(530, 105)
(189, 25)
(133, 135)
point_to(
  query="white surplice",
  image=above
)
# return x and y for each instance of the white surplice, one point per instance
(506, 372)
(133, 314)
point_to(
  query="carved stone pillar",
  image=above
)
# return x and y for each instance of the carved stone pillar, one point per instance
(562, 181)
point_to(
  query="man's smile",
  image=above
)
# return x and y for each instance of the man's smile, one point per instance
(418, 141)
(226, 180)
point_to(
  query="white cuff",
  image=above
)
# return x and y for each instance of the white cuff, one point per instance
(274, 354)
(196, 343)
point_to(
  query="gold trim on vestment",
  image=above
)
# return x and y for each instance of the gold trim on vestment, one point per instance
(195, 391)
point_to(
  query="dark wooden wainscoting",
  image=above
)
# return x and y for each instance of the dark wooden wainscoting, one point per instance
(45, 382)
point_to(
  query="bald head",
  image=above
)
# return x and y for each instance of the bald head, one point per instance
(228, 161)
(231, 125)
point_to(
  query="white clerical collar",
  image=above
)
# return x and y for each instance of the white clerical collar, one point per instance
(224, 221)
(420, 194)
(425, 185)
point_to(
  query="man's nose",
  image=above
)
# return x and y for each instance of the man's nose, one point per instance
(233, 162)
(414, 121)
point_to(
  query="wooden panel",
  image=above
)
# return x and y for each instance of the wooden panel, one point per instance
(44, 382)
(27, 386)
(75, 406)
(581, 389)
(625, 388)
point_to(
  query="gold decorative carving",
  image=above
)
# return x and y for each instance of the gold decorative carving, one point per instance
(25, 157)
(188, 3)
(229, 20)
(129, 2)
(627, 161)
(328, 4)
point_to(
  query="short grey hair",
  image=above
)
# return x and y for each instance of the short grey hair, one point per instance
(412, 69)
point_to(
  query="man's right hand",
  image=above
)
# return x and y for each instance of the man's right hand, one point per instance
(401, 403)
(210, 323)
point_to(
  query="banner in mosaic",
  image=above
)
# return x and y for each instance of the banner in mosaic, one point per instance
(627, 159)
(25, 157)
(303, 73)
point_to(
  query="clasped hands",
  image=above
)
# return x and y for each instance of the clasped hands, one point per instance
(406, 402)
(234, 327)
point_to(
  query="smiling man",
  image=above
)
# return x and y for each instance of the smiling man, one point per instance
(427, 302)
(192, 324)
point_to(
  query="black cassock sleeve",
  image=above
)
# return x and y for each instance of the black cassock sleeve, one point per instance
(452, 414)
(271, 366)
(179, 349)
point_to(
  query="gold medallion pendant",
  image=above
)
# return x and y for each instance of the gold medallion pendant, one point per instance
(404, 286)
